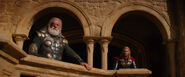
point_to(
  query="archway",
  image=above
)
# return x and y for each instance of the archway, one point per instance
(153, 14)
(123, 39)
(28, 17)
(140, 27)
(72, 29)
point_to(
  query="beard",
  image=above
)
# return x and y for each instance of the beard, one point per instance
(54, 32)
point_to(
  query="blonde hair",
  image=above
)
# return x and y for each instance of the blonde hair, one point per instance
(121, 55)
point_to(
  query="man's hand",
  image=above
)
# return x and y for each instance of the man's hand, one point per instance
(86, 65)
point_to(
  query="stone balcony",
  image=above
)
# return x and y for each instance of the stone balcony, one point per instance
(14, 62)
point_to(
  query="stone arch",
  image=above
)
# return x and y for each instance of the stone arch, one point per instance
(27, 21)
(158, 17)
(136, 47)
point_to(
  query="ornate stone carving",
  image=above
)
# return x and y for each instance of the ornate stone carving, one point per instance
(100, 10)
(158, 4)
(97, 10)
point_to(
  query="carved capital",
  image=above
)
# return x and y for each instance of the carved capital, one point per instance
(104, 41)
(19, 37)
(168, 42)
(97, 39)
(89, 40)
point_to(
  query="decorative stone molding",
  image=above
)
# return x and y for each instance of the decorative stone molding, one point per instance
(133, 72)
(98, 11)
(19, 39)
(98, 38)
(6, 73)
(101, 10)
(10, 50)
(38, 66)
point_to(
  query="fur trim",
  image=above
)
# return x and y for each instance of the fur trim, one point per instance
(117, 58)
(132, 59)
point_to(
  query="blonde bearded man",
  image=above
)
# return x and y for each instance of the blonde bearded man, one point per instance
(125, 60)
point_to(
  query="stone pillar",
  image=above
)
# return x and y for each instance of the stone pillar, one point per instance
(180, 54)
(19, 39)
(90, 50)
(171, 50)
(104, 51)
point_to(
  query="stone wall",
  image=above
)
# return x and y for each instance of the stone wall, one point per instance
(17, 15)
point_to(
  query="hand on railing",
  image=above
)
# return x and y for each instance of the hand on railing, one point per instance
(86, 65)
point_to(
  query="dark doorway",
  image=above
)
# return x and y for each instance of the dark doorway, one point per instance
(139, 26)
(27, 76)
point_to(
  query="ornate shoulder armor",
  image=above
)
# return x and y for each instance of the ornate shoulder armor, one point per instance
(33, 49)
(116, 58)
(132, 58)
(65, 41)
(42, 34)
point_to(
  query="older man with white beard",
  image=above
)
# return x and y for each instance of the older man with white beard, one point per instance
(50, 43)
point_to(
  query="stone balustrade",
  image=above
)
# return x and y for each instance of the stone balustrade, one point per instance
(16, 63)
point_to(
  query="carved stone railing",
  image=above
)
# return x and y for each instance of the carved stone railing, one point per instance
(16, 63)
(10, 50)
(39, 66)
(10, 55)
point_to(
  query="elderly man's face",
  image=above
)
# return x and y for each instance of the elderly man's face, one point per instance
(55, 24)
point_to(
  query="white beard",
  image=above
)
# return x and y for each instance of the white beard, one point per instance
(54, 32)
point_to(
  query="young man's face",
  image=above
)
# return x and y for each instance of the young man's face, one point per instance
(126, 51)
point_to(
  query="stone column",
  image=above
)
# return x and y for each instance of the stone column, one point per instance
(19, 39)
(104, 51)
(90, 50)
(171, 50)
(180, 54)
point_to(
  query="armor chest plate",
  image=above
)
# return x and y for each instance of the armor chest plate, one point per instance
(53, 43)
(125, 64)
(52, 47)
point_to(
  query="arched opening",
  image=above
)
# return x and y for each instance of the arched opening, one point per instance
(72, 29)
(121, 40)
(141, 27)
